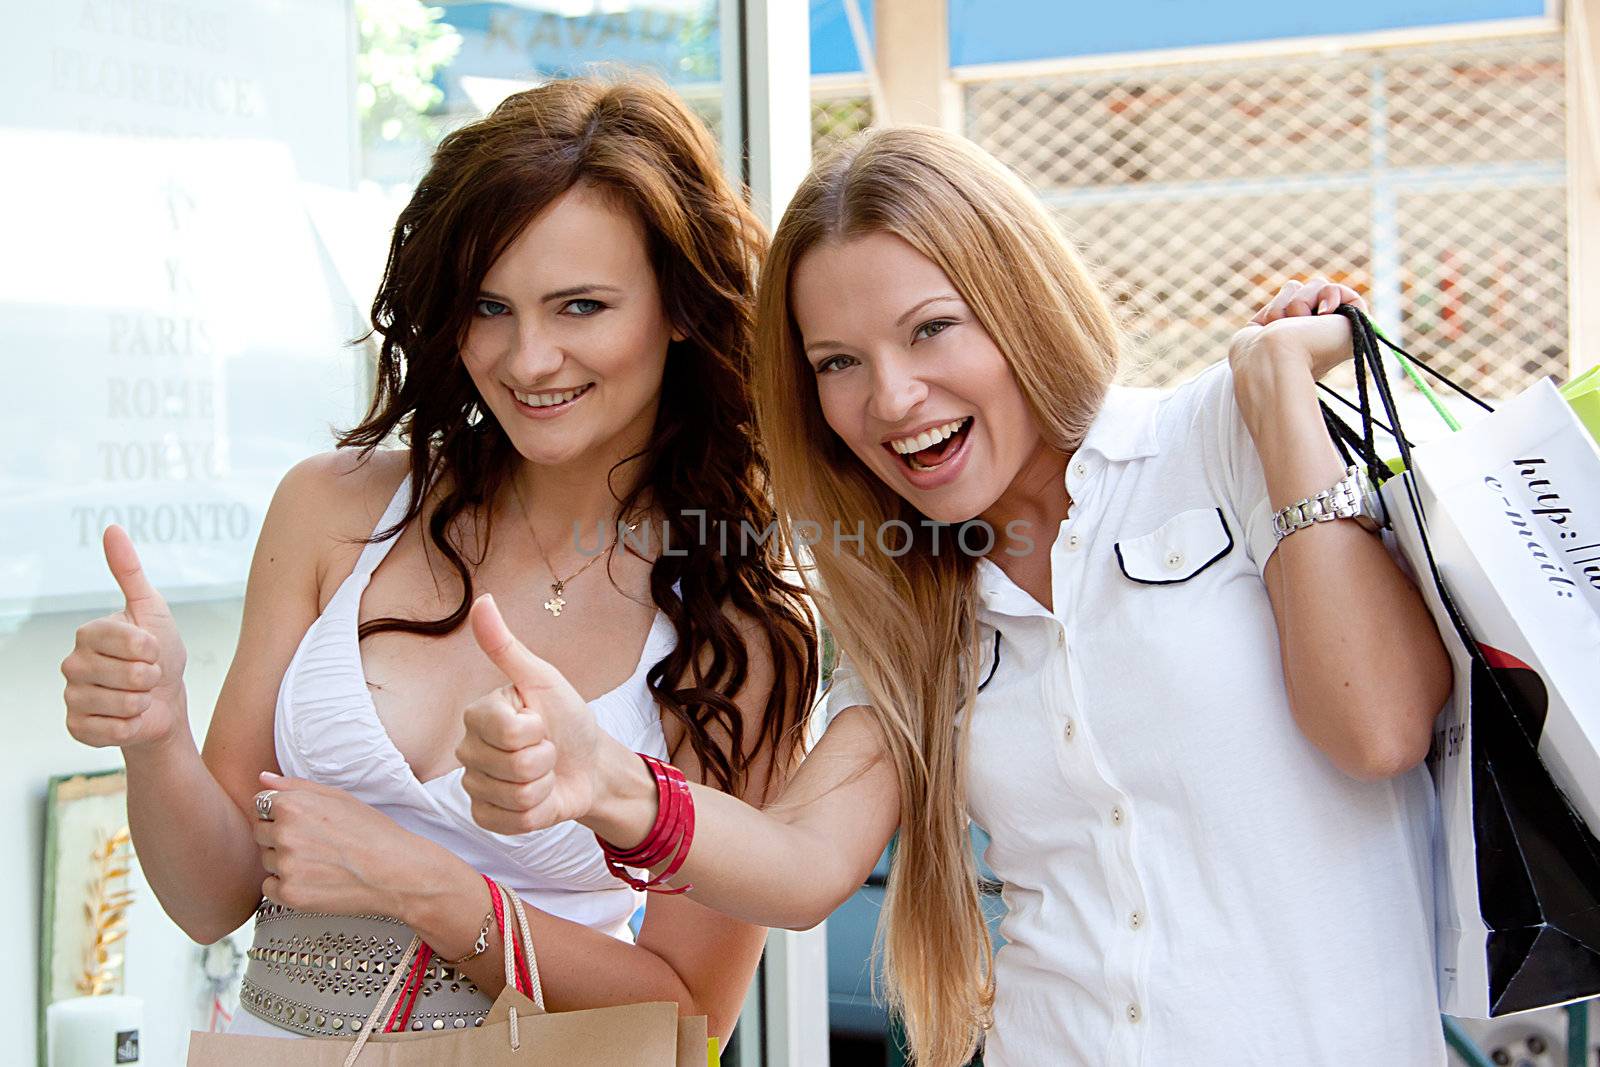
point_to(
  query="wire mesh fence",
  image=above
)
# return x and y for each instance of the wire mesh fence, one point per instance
(1430, 177)
(839, 110)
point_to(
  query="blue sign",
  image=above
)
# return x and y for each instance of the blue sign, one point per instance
(679, 40)
(833, 48)
(1008, 31)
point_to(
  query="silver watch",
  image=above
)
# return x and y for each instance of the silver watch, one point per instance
(1351, 497)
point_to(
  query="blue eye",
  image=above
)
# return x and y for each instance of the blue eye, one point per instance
(489, 309)
(582, 308)
(832, 363)
(931, 329)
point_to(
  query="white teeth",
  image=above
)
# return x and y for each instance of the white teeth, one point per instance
(927, 438)
(547, 400)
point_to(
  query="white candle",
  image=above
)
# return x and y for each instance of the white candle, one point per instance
(94, 1031)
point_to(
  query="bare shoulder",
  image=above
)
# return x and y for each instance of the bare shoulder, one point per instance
(759, 678)
(322, 508)
(327, 504)
(342, 486)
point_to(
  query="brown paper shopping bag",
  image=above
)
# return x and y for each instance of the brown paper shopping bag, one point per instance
(516, 1033)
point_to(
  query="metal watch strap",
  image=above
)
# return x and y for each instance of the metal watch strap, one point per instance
(1345, 499)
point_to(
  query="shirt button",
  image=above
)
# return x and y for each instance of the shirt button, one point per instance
(1080, 468)
(1066, 731)
(1174, 560)
(1133, 1013)
(1116, 816)
(1073, 541)
(1061, 637)
(1136, 920)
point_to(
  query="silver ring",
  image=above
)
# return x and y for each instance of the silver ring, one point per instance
(264, 804)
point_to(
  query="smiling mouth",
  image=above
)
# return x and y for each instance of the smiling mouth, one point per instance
(551, 399)
(933, 454)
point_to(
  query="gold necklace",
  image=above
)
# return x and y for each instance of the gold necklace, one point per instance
(557, 587)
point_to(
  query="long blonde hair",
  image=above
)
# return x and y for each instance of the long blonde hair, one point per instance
(908, 623)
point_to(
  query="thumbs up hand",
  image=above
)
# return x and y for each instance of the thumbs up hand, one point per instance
(125, 672)
(531, 747)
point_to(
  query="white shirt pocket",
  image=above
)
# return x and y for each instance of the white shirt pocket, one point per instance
(1177, 550)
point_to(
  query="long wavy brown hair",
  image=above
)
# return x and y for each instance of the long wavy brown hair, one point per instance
(638, 142)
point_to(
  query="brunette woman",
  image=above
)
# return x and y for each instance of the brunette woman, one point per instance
(566, 326)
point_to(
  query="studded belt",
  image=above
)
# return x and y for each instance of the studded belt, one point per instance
(320, 975)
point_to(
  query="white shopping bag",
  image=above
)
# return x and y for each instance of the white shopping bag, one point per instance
(1516, 872)
(1500, 523)
(1517, 496)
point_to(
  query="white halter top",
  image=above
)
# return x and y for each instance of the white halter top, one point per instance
(327, 730)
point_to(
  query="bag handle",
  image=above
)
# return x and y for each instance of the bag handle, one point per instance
(1369, 359)
(525, 937)
(521, 931)
(1364, 340)
(1409, 364)
(401, 969)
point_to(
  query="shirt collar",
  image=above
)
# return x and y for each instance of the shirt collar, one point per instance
(998, 595)
(1125, 426)
(1123, 429)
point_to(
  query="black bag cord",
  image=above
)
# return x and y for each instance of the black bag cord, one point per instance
(1341, 435)
(1376, 469)
(1435, 374)
(1385, 427)
(1368, 355)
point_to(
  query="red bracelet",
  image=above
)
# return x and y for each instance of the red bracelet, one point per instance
(658, 844)
(415, 977)
(679, 832)
(654, 848)
(669, 837)
(686, 839)
(524, 980)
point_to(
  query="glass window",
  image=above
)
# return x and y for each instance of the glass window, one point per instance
(196, 201)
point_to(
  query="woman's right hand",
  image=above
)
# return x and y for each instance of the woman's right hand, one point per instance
(532, 749)
(125, 672)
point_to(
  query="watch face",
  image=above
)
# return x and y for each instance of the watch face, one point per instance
(1371, 508)
(1369, 512)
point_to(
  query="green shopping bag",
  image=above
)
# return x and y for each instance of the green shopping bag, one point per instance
(1583, 393)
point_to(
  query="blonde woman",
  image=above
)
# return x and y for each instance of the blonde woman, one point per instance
(1197, 745)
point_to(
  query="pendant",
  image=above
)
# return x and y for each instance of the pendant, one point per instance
(556, 602)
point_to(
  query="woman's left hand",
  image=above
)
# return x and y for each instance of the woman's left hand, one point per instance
(1315, 297)
(1297, 324)
(326, 851)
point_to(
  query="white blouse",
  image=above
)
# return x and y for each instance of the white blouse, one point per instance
(327, 730)
(1188, 879)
